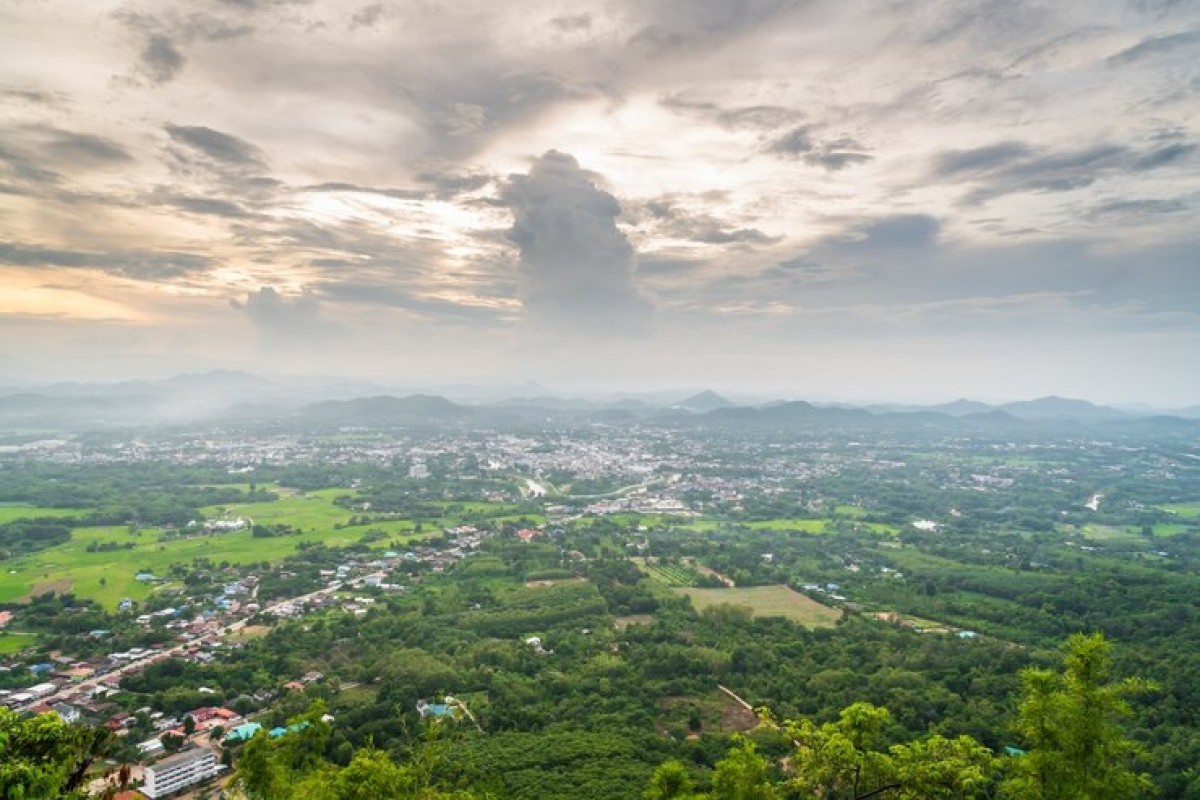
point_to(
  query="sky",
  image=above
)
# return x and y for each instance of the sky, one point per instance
(831, 199)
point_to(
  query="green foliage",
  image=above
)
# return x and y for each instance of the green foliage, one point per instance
(669, 782)
(742, 775)
(296, 767)
(30, 535)
(42, 756)
(1072, 724)
(842, 759)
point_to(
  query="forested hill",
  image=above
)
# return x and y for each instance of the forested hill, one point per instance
(1069, 719)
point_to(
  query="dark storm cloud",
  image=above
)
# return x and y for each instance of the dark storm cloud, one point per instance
(678, 25)
(670, 219)
(221, 147)
(35, 157)
(1013, 167)
(899, 231)
(24, 171)
(447, 184)
(160, 59)
(576, 267)
(766, 117)
(831, 154)
(137, 264)
(210, 206)
(83, 149)
(1164, 155)
(572, 22)
(1141, 208)
(367, 16)
(1155, 46)
(979, 159)
(31, 96)
(352, 188)
(466, 110)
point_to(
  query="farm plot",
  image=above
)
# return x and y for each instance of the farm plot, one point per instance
(768, 601)
(670, 575)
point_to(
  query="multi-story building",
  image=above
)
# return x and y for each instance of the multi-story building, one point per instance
(180, 771)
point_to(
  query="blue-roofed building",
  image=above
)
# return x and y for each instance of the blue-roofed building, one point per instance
(242, 732)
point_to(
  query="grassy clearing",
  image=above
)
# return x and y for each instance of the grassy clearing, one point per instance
(1110, 533)
(1168, 529)
(768, 601)
(13, 511)
(805, 525)
(15, 642)
(1184, 510)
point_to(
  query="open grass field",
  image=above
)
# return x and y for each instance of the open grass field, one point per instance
(805, 525)
(794, 525)
(768, 601)
(15, 642)
(1167, 529)
(12, 511)
(108, 576)
(1110, 533)
(1184, 510)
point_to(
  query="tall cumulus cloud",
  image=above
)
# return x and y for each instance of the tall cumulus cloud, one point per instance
(576, 267)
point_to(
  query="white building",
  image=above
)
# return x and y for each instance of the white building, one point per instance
(180, 771)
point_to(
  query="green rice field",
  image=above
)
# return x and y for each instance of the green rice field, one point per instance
(108, 576)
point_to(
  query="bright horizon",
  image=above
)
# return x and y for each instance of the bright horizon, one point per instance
(869, 202)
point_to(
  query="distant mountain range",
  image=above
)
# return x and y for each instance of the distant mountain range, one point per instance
(243, 398)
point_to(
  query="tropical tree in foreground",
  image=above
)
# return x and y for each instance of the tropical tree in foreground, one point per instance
(42, 756)
(845, 760)
(1071, 722)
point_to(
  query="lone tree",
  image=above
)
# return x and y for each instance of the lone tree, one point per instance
(1072, 725)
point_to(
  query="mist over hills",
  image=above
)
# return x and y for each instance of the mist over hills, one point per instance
(231, 397)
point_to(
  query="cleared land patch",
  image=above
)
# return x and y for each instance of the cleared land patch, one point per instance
(15, 642)
(1184, 510)
(14, 511)
(768, 601)
(633, 619)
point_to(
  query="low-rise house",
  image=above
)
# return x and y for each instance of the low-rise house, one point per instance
(151, 748)
(67, 713)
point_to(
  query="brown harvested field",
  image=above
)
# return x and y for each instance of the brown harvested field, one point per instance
(46, 587)
(251, 632)
(735, 717)
(633, 619)
(768, 601)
